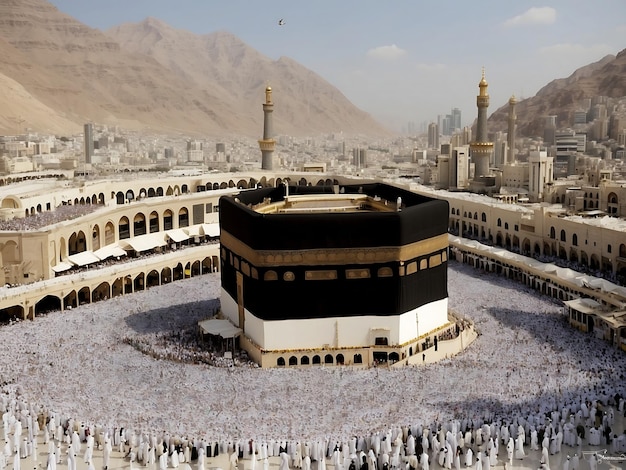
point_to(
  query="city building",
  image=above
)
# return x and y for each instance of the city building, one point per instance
(88, 142)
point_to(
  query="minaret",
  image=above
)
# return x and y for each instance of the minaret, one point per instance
(510, 158)
(267, 144)
(481, 149)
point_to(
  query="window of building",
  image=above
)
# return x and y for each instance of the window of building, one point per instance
(423, 264)
(563, 236)
(270, 276)
(381, 341)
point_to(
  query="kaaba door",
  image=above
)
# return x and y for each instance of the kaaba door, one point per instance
(240, 305)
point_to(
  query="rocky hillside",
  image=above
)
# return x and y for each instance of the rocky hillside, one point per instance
(562, 97)
(74, 74)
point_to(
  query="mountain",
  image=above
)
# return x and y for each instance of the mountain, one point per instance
(79, 74)
(303, 100)
(562, 97)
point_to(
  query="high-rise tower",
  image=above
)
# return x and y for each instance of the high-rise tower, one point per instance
(267, 144)
(510, 158)
(88, 138)
(481, 149)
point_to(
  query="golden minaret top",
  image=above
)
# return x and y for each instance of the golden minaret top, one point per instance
(483, 84)
(268, 95)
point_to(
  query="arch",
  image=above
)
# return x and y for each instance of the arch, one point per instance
(499, 239)
(166, 276)
(159, 191)
(70, 300)
(293, 361)
(11, 202)
(109, 233)
(525, 246)
(154, 221)
(575, 239)
(139, 224)
(280, 362)
(183, 217)
(152, 279)
(168, 220)
(340, 359)
(328, 359)
(206, 265)
(594, 262)
(139, 282)
(483, 217)
(184, 189)
(84, 296)
(10, 253)
(622, 250)
(304, 361)
(394, 357)
(584, 259)
(357, 359)
(151, 192)
(563, 236)
(11, 313)
(77, 243)
(38, 207)
(546, 249)
(124, 228)
(573, 255)
(50, 303)
(101, 292)
(95, 237)
(317, 359)
(101, 198)
(143, 193)
(537, 249)
(130, 195)
(552, 233)
(243, 184)
(178, 272)
(119, 197)
(195, 268)
(612, 203)
(562, 253)
(117, 288)
(475, 215)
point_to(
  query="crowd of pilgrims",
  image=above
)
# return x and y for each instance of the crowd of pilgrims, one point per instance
(477, 443)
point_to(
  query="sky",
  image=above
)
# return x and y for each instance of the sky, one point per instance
(401, 60)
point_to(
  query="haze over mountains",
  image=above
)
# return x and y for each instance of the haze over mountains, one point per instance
(66, 73)
(57, 73)
(562, 97)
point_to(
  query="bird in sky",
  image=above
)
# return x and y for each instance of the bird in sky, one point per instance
(281, 22)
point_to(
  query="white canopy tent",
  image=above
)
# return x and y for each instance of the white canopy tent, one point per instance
(110, 251)
(211, 230)
(144, 242)
(83, 258)
(177, 235)
(216, 327)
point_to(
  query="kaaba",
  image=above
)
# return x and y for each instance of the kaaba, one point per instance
(350, 274)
